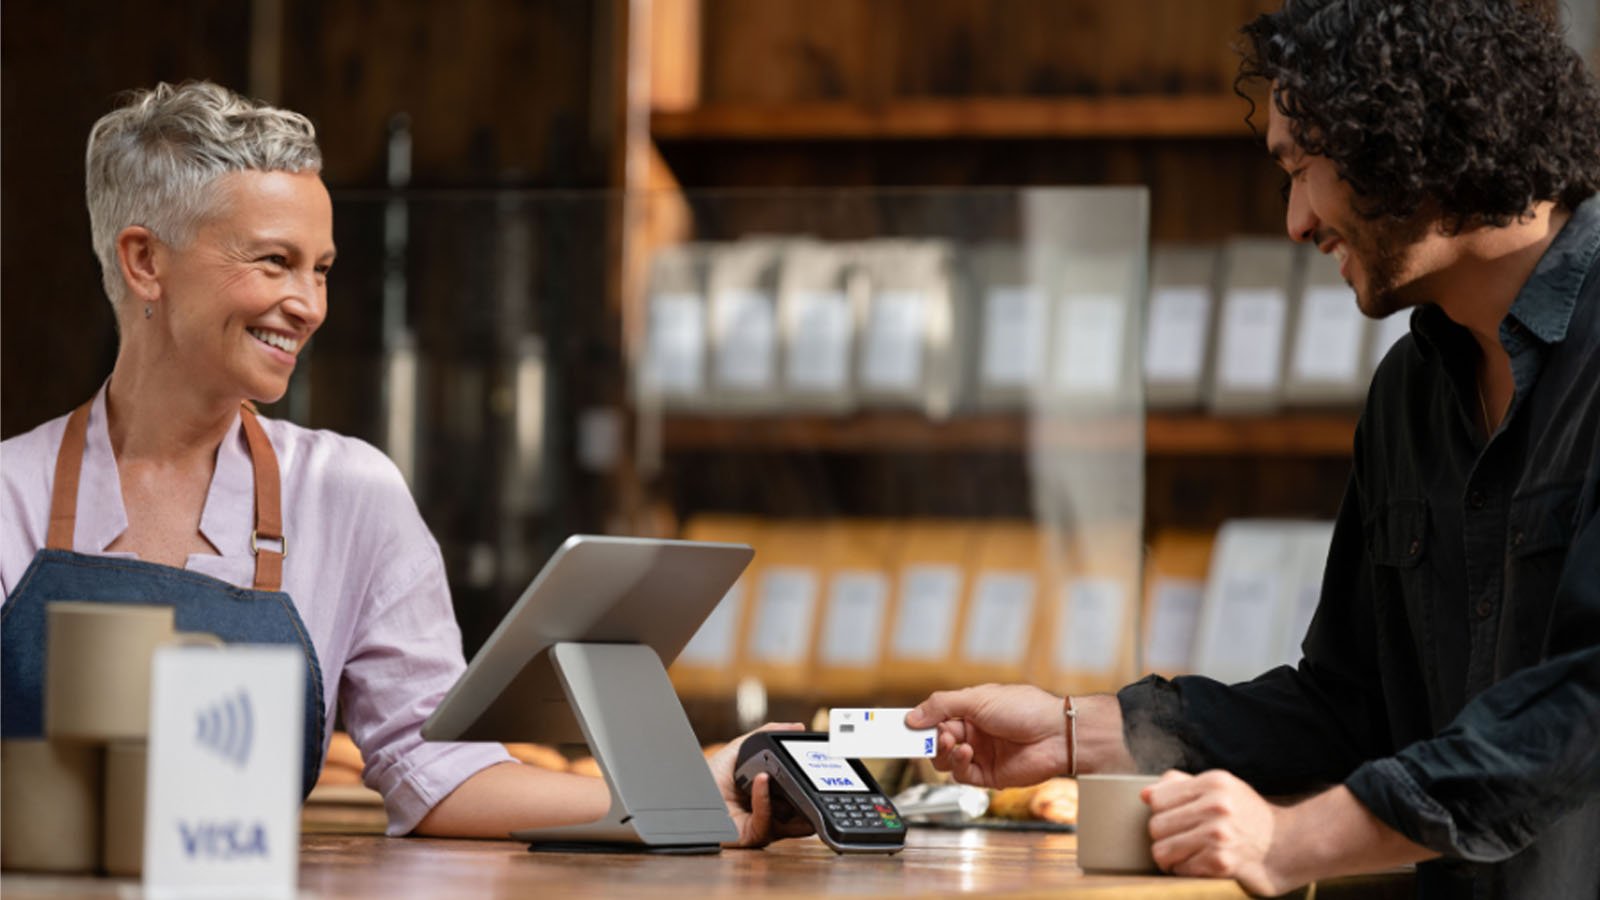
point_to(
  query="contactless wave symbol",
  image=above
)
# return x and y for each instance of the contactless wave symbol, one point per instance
(226, 728)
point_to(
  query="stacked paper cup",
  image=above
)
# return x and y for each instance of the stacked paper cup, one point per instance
(73, 800)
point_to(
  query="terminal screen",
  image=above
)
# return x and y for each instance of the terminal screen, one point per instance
(827, 772)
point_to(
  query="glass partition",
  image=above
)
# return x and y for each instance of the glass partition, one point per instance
(922, 408)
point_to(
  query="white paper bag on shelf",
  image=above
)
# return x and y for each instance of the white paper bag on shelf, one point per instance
(1094, 333)
(907, 355)
(784, 605)
(1089, 620)
(818, 318)
(999, 624)
(1175, 585)
(1328, 354)
(860, 558)
(1256, 595)
(1252, 326)
(1013, 315)
(707, 664)
(933, 570)
(1308, 562)
(742, 283)
(672, 371)
(1178, 322)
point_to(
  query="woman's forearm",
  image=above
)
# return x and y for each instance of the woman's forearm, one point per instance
(512, 796)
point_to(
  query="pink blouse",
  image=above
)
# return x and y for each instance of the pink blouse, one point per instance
(362, 569)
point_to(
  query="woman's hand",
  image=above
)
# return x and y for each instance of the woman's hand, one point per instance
(996, 735)
(755, 823)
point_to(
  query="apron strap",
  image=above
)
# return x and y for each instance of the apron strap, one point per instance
(269, 511)
(64, 494)
(269, 514)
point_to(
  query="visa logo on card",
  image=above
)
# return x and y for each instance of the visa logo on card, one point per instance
(877, 734)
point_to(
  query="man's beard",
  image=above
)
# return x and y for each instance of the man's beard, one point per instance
(1383, 248)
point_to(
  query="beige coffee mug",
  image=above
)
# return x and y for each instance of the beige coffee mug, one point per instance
(97, 668)
(1114, 824)
(122, 846)
(49, 805)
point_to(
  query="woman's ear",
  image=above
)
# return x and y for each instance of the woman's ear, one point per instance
(140, 257)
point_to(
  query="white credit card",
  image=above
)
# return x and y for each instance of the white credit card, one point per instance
(877, 734)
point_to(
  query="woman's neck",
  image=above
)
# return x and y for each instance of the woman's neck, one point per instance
(157, 414)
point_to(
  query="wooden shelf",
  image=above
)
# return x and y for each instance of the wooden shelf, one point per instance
(1183, 434)
(1284, 434)
(1195, 116)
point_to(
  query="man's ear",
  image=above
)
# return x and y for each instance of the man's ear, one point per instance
(141, 258)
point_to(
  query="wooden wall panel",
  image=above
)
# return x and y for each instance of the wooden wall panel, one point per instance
(64, 63)
(1200, 190)
(876, 50)
(498, 92)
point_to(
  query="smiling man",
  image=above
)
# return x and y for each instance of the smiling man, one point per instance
(1446, 709)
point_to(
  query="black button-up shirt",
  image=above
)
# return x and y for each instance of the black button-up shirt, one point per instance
(1451, 676)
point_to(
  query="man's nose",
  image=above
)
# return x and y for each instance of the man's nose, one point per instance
(1299, 221)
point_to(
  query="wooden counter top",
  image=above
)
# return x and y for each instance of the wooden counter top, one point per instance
(935, 863)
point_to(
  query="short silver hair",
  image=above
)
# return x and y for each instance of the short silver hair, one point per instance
(152, 161)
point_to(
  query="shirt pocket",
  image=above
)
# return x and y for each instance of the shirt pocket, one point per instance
(1398, 534)
(1540, 529)
(1543, 520)
(1398, 538)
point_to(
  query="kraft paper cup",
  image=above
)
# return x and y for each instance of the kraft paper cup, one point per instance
(1114, 824)
(97, 668)
(49, 805)
(122, 842)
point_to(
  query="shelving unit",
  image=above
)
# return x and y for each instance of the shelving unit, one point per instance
(741, 100)
(1056, 118)
(1305, 435)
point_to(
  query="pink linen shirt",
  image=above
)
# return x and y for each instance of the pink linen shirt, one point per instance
(362, 568)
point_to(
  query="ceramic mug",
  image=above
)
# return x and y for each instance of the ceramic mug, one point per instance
(97, 668)
(1114, 824)
(49, 805)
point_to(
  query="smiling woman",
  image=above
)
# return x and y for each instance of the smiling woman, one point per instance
(230, 307)
(215, 238)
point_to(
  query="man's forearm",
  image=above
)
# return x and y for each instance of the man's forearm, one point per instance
(1333, 834)
(1100, 746)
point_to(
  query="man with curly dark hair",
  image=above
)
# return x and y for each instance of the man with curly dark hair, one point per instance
(1447, 153)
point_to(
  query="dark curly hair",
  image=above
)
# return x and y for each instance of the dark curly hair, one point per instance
(1475, 106)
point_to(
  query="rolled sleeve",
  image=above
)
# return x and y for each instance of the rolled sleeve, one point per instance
(406, 656)
(1293, 728)
(1519, 756)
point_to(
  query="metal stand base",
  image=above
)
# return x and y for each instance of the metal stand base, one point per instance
(662, 793)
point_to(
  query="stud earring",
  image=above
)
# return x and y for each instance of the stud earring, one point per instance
(148, 311)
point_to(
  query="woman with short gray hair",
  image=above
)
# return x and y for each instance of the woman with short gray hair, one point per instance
(215, 238)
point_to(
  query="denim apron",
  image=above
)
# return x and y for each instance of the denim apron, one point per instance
(264, 615)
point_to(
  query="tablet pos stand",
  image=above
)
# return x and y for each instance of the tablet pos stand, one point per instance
(663, 798)
(582, 655)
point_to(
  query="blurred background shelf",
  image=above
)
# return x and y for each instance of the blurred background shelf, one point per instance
(1312, 435)
(1158, 117)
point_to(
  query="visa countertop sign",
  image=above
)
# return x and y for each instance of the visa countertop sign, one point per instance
(222, 817)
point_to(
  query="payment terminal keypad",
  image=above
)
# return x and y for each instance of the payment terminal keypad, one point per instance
(866, 813)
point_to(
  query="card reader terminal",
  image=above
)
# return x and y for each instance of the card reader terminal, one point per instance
(836, 795)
